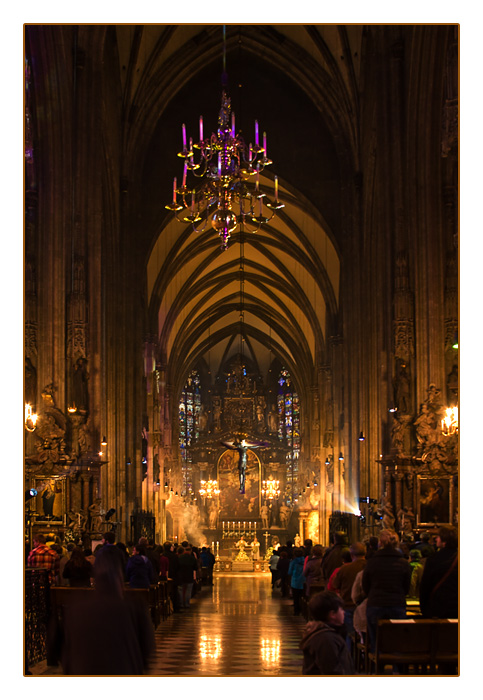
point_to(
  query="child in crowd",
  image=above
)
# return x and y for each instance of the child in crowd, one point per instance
(323, 644)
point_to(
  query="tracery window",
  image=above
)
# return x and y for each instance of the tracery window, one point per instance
(189, 412)
(289, 430)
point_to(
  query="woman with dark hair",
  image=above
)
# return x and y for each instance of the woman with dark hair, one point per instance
(108, 632)
(313, 569)
(78, 570)
(438, 592)
(297, 578)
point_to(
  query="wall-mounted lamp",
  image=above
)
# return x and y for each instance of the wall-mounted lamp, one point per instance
(104, 441)
(449, 424)
(341, 457)
(393, 409)
(361, 437)
(30, 418)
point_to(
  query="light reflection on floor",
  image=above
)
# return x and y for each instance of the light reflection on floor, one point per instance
(237, 627)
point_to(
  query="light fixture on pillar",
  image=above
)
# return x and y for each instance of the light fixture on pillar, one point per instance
(209, 488)
(341, 457)
(104, 441)
(361, 437)
(455, 341)
(449, 424)
(228, 171)
(271, 488)
(30, 418)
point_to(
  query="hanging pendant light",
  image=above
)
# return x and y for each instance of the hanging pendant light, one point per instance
(228, 172)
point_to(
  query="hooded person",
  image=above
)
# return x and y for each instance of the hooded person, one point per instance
(323, 642)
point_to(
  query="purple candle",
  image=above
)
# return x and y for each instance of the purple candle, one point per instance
(184, 137)
(201, 129)
(256, 132)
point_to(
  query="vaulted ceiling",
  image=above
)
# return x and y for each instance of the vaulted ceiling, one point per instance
(274, 293)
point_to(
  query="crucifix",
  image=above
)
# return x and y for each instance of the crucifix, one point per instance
(242, 446)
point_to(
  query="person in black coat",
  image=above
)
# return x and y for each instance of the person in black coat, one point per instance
(385, 581)
(106, 633)
(333, 557)
(438, 593)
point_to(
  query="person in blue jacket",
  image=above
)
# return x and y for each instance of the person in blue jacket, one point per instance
(297, 578)
(139, 570)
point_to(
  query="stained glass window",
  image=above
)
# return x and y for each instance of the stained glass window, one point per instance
(289, 430)
(189, 411)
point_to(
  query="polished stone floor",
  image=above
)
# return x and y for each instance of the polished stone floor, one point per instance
(237, 627)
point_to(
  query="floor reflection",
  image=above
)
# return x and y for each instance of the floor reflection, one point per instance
(237, 627)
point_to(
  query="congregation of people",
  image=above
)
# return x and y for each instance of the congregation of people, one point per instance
(111, 568)
(342, 590)
(346, 588)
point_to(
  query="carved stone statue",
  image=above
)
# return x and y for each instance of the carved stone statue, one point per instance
(387, 512)
(400, 434)
(264, 514)
(213, 514)
(80, 394)
(203, 420)
(96, 514)
(284, 515)
(406, 519)
(402, 388)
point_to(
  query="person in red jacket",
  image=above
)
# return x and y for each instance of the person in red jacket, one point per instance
(42, 557)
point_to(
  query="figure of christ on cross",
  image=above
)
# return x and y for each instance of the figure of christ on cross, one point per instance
(242, 446)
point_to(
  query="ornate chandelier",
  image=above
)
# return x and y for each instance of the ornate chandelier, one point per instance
(229, 195)
(209, 488)
(270, 488)
(449, 424)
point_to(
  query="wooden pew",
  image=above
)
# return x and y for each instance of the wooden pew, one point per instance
(67, 595)
(426, 646)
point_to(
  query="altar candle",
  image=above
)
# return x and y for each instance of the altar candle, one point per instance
(219, 163)
(233, 124)
(184, 137)
(174, 190)
(193, 202)
(258, 177)
(201, 129)
(256, 132)
(212, 545)
(185, 170)
(276, 188)
(265, 143)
